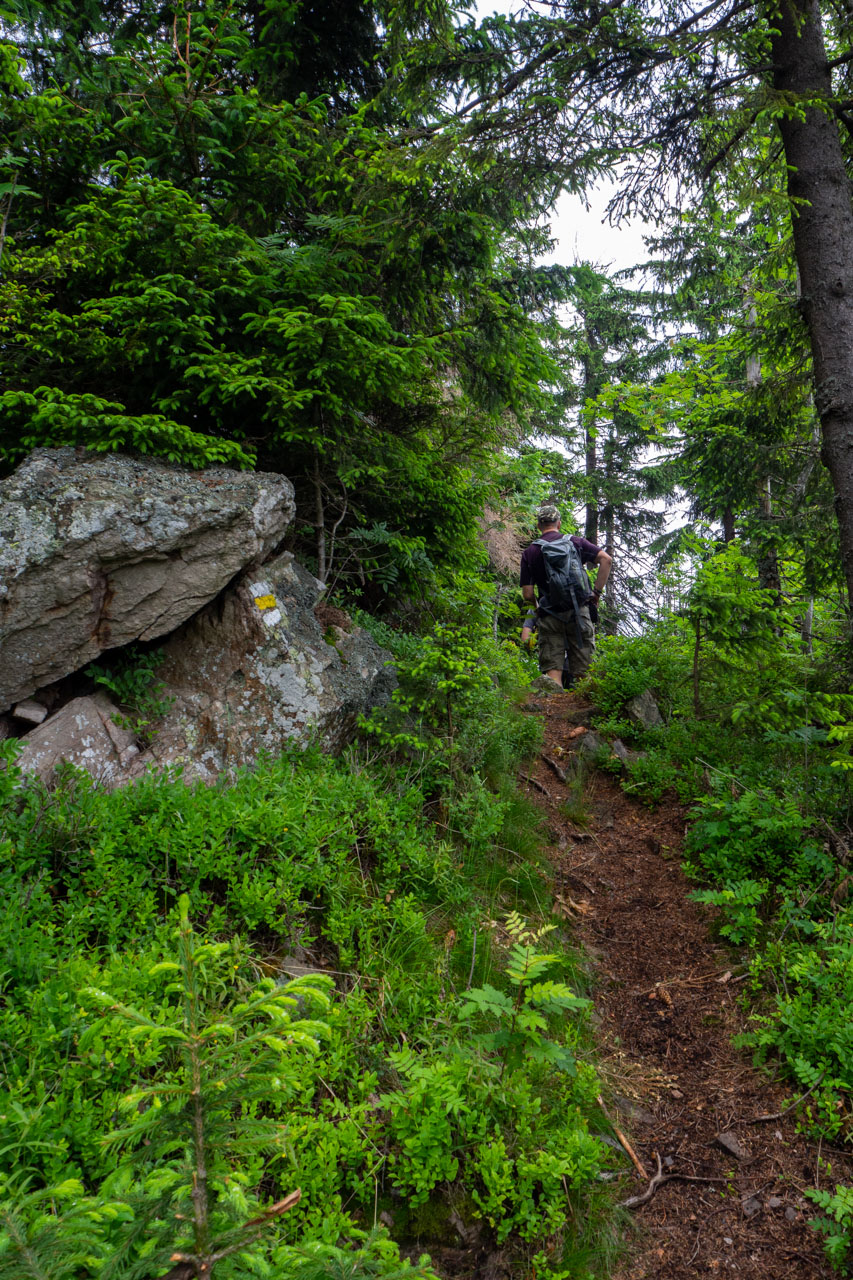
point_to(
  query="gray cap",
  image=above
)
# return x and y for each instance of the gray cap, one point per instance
(547, 514)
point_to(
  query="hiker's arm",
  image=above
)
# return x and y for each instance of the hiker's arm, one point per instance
(528, 627)
(604, 561)
(528, 592)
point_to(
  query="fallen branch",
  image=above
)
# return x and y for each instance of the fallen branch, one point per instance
(537, 785)
(778, 1115)
(635, 1159)
(277, 1209)
(698, 981)
(634, 1202)
(552, 764)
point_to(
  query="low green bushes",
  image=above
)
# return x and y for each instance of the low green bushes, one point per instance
(164, 1094)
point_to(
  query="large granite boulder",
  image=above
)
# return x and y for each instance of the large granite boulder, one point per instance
(99, 550)
(263, 667)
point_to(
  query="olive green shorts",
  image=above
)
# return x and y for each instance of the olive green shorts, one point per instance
(558, 635)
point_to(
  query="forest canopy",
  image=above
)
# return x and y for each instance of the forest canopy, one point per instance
(219, 249)
(309, 238)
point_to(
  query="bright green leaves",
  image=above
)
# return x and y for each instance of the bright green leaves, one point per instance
(522, 1031)
(836, 1226)
(188, 1132)
(439, 1120)
(55, 1233)
(96, 345)
(444, 679)
(195, 1073)
(486, 999)
(737, 902)
(339, 352)
(425, 1118)
(49, 416)
(727, 603)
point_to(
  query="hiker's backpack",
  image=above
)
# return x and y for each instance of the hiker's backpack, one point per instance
(566, 581)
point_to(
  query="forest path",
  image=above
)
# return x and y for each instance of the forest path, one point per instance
(667, 1009)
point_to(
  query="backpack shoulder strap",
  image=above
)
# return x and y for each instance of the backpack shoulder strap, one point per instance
(563, 539)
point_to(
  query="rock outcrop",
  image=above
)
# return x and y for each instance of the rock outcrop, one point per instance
(644, 711)
(261, 668)
(86, 732)
(98, 551)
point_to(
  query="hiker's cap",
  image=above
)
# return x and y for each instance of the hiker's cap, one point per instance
(548, 514)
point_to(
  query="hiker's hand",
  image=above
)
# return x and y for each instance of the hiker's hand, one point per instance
(527, 641)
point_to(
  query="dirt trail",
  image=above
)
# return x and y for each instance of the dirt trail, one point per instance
(667, 1015)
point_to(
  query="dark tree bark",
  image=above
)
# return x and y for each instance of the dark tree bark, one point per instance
(768, 560)
(591, 460)
(608, 516)
(823, 241)
(319, 518)
(589, 389)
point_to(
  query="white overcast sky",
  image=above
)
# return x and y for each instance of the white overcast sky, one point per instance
(583, 234)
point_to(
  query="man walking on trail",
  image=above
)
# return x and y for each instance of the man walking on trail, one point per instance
(562, 630)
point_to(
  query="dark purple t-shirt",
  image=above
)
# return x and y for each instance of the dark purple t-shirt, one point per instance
(533, 570)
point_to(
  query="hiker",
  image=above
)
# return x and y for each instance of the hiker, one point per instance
(564, 625)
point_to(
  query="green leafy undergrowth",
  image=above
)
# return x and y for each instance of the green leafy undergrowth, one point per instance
(455, 710)
(386, 871)
(805, 1022)
(836, 1225)
(748, 709)
(132, 680)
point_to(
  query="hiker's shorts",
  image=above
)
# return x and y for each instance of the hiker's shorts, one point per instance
(558, 635)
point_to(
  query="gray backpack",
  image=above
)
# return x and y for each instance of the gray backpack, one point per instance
(566, 581)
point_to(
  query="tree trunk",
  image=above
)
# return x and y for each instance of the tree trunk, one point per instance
(768, 560)
(697, 645)
(319, 518)
(806, 626)
(590, 389)
(591, 459)
(822, 221)
(611, 624)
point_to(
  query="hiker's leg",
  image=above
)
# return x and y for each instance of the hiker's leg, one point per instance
(552, 648)
(580, 655)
